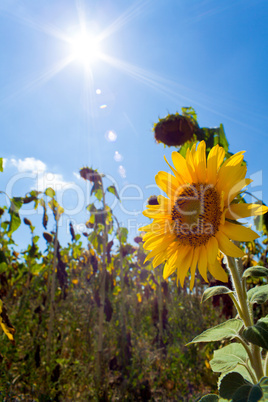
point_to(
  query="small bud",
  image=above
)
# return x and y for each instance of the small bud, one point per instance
(48, 237)
(153, 200)
(138, 239)
(27, 222)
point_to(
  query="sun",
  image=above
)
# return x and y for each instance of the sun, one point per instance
(85, 48)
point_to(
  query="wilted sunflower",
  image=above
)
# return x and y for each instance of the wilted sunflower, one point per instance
(199, 216)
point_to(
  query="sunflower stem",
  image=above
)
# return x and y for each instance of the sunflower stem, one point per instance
(251, 358)
(237, 305)
(266, 364)
(244, 313)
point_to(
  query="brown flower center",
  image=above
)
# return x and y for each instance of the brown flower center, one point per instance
(196, 214)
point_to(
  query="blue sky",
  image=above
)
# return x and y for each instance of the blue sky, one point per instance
(157, 56)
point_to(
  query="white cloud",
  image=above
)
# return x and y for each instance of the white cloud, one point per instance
(53, 180)
(29, 165)
(77, 176)
(42, 179)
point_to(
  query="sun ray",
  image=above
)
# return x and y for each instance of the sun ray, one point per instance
(172, 89)
(132, 12)
(39, 80)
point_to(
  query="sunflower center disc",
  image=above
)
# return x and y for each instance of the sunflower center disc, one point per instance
(196, 214)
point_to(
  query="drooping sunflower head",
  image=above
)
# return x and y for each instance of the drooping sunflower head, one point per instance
(174, 129)
(199, 215)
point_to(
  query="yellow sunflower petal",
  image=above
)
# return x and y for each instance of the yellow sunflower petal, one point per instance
(203, 262)
(200, 162)
(229, 177)
(166, 203)
(159, 259)
(193, 266)
(168, 183)
(157, 240)
(234, 160)
(170, 265)
(190, 164)
(215, 159)
(160, 213)
(234, 190)
(227, 247)
(238, 211)
(218, 272)
(181, 166)
(178, 176)
(212, 250)
(156, 226)
(184, 266)
(238, 232)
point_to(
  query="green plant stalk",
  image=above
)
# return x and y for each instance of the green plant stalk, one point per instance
(52, 294)
(251, 358)
(266, 365)
(123, 346)
(244, 313)
(237, 306)
(102, 298)
(123, 312)
(160, 310)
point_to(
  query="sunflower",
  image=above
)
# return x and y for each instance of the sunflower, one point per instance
(198, 216)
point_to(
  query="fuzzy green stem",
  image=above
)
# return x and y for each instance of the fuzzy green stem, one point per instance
(251, 358)
(244, 313)
(237, 306)
(240, 292)
(266, 364)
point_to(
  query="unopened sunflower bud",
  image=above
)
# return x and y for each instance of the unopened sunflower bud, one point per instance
(174, 130)
(153, 200)
(27, 222)
(138, 239)
(48, 237)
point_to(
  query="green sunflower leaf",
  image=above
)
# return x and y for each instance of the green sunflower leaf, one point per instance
(258, 333)
(227, 358)
(215, 291)
(259, 294)
(1, 165)
(50, 192)
(226, 330)
(113, 190)
(98, 194)
(239, 369)
(255, 393)
(257, 271)
(230, 383)
(15, 220)
(222, 138)
(209, 398)
(123, 234)
(264, 387)
(247, 393)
